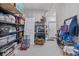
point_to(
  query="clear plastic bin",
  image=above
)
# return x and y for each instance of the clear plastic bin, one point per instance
(3, 40)
(27, 40)
(12, 37)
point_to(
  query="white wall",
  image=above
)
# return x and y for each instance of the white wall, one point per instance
(64, 11)
(35, 14)
(51, 23)
(32, 16)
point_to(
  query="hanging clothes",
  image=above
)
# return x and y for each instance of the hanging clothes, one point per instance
(64, 28)
(73, 28)
(69, 30)
(68, 22)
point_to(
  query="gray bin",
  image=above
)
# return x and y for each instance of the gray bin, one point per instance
(27, 40)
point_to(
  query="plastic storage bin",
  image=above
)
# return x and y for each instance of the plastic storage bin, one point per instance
(27, 40)
(21, 28)
(2, 17)
(7, 19)
(12, 29)
(12, 37)
(4, 29)
(3, 40)
(12, 18)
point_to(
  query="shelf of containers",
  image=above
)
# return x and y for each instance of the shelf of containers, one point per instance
(9, 9)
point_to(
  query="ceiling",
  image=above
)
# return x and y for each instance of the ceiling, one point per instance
(38, 9)
(38, 6)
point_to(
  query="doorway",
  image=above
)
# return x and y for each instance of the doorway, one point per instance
(51, 29)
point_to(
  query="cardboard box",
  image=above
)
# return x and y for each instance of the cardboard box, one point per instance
(39, 41)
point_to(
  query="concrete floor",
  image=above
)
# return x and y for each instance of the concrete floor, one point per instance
(50, 48)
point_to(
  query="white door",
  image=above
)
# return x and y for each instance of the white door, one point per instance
(51, 29)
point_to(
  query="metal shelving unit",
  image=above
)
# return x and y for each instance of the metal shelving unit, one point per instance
(10, 11)
(2, 35)
(6, 45)
(8, 23)
(39, 33)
